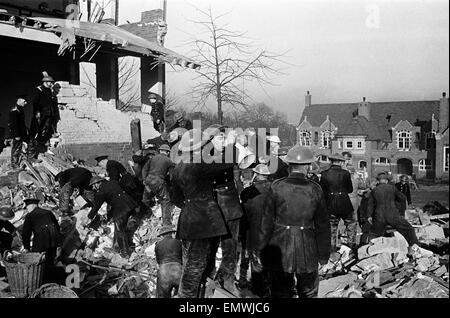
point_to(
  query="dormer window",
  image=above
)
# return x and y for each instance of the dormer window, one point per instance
(305, 138)
(326, 139)
(403, 140)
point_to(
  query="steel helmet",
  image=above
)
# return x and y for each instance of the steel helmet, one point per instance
(212, 131)
(191, 141)
(300, 155)
(274, 138)
(166, 229)
(178, 116)
(47, 78)
(262, 169)
(6, 213)
(95, 179)
(164, 147)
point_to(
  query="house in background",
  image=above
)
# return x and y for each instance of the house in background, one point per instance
(407, 137)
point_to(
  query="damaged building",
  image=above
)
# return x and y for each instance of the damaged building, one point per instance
(37, 37)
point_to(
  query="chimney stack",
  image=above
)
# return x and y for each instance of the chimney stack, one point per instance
(364, 109)
(307, 99)
(443, 113)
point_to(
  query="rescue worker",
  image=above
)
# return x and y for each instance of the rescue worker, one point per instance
(403, 187)
(201, 222)
(43, 226)
(57, 117)
(363, 215)
(253, 198)
(18, 131)
(295, 230)
(348, 159)
(44, 107)
(157, 112)
(148, 198)
(69, 180)
(382, 211)
(157, 182)
(180, 122)
(224, 153)
(277, 167)
(114, 169)
(168, 254)
(337, 184)
(6, 238)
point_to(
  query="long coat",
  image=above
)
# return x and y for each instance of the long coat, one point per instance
(16, 124)
(78, 177)
(384, 202)
(336, 184)
(45, 229)
(253, 198)
(44, 102)
(295, 227)
(404, 188)
(192, 191)
(112, 193)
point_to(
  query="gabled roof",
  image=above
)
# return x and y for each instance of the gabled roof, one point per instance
(341, 114)
(360, 126)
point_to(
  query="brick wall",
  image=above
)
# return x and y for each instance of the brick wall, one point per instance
(146, 27)
(90, 127)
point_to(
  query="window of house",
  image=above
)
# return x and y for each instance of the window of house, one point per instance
(382, 161)
(322, 158)
(430, 140)
(316, 137)
(349, 145)
(305, 138)
(340, 144)
(326, 138)
(403, 140)
(362, 164)
(424, 164)
(446, 158)
(359, 145)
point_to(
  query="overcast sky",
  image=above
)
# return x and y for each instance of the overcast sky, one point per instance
(341, 51)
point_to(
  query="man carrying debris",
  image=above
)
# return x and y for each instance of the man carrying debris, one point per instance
(17, 130)
(122, 207)
(382, 211)
(69, 180)
(336, 184)
(201, 222)
(253, 198)
(168, 254)
(157, 182)
(6, 238)
(295, 229)
(44, 107)
(43, 226)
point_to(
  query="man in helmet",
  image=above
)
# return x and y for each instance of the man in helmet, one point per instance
(201, 222)
(157, 112)
(69, 180)
(44, 107)
(180, 122)
(278, 168)
(295, 229)
(122, 206)
(18, 131)
(222, 150)
(337, 184)
(157, 182)
(253, 199)
(6, 238)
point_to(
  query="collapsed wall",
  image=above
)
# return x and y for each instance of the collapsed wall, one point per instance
(90, 127)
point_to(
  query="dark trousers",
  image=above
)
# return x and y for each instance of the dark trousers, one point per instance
(6, 240)
(397, 223)
(159, 187)
(283, 285)
(227, 268)
(350, 225)
(198, 262)
(16, 151)
(168, 279)
(121, 234)
(46, 128)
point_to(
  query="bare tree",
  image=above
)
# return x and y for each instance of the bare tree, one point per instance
(229, 60)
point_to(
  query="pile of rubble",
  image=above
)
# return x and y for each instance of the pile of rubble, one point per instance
(383, 269)
(100, 271)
